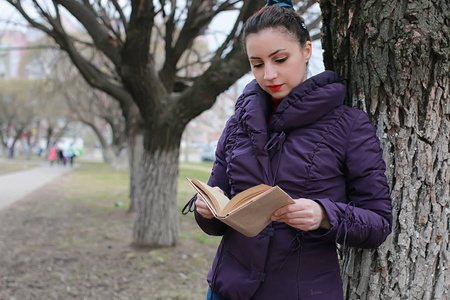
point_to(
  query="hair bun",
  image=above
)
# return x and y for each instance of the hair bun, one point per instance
(286, 3)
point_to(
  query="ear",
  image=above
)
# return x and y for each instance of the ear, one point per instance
(307, 51)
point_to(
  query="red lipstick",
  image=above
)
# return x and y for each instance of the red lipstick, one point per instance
(275, 87)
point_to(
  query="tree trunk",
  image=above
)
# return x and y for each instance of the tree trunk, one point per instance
(135, 154)
(394, 58)
(113, 153)
(156, 219)
(13, 144)
(28, 149)
(3, 143)
(118, 160)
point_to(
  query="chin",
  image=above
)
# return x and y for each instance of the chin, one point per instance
(277, 95)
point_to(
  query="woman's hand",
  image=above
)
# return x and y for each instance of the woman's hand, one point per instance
(304, 214)
(202, 208)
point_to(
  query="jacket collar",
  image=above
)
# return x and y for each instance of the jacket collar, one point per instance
(310, 101)
(307, 103)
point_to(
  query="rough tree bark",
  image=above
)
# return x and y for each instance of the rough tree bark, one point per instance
(160, 163)
(394, 58)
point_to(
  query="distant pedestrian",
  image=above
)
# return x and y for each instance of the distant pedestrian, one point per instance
(11, 152)
(71, 154)
(60, 156)
(52, 155)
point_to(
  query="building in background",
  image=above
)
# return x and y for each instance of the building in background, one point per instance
(12, 44)
(202, 133)
(14, 48)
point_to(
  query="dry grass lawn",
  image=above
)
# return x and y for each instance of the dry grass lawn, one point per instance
(68, 240)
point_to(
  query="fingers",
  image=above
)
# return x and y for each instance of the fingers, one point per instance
(300, 207)
(202, 208)
(304, 214)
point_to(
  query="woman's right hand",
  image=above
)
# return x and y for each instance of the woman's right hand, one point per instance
(202, 208)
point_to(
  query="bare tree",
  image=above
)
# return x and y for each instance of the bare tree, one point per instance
(32, 105)
(158, 97)
(19, 103)
(104, 116)
(53, 115)
(94, 108)
(394, 58)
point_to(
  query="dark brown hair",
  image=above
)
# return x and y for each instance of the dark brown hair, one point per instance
(284, 19)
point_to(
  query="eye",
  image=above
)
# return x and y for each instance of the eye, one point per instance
(255, 66)
(281, 60)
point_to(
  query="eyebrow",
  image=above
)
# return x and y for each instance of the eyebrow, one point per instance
(270, 55)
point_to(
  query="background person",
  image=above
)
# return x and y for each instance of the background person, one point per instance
(71, 154)
(52, 155)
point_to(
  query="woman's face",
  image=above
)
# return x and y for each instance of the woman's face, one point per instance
(278, 61)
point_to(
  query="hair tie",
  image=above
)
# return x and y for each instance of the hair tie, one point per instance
(286, 3)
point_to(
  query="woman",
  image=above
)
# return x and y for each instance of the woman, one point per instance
(52, 156)
(296, 133)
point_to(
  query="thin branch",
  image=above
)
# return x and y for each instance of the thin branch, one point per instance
(315, 24)
(98, 32)
(305, 6)
(232, 36)
(316, 37)
(37, 47)
(170, 28)
(18, 6)
(120, 11)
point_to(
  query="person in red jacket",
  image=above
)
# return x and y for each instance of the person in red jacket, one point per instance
(294, 132)
(52, 156)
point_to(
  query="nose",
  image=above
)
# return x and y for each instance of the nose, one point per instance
(269, 73)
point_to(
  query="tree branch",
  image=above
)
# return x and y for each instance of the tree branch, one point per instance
(120, 12)
(305, 5)
(231, 36)
(20, 9)
(200, 15)
(99, 33)
(218, 78)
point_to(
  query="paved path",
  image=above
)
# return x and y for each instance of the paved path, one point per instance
(15, 186)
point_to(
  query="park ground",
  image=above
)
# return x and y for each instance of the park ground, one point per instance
(71, 239)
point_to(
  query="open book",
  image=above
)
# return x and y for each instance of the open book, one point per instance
(250, 211)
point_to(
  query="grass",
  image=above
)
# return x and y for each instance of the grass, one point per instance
(199, 171)
(11, 166)
(77, 243)
(190, 230)
(96, 187)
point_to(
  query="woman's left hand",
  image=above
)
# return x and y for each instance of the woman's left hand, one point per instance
(304, 214)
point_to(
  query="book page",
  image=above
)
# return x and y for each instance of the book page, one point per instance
(245, 196)
(218, 199)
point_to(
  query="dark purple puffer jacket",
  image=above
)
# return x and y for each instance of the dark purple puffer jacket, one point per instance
(315, 148)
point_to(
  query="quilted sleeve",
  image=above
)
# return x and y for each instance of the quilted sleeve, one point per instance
(365, 220)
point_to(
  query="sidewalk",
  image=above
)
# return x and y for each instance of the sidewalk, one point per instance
(15, 186)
